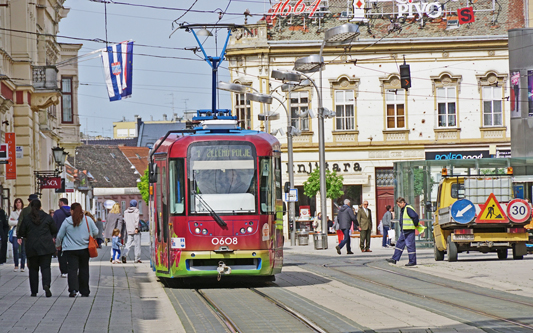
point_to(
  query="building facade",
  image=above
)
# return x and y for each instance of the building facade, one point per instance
(457, 106)
(32, 92)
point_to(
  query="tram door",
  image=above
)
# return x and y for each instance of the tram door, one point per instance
(162, 215)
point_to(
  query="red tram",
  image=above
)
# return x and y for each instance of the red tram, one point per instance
(216, 194)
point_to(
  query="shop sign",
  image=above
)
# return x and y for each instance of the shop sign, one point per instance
(457, 155)
(432, 10)
(51, 182)
(335, 166)
(11, 167)
(298, 7)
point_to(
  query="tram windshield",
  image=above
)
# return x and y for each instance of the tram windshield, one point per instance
(222, 177)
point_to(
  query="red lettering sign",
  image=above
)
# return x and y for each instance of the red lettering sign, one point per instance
(51, 182)
(466, 15)
(11, 166)
(284, 8)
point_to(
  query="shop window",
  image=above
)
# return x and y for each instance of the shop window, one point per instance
(299, 104)
(67, 104)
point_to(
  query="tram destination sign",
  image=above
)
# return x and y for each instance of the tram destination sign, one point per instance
(226, 152)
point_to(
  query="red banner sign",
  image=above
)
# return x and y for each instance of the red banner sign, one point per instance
(466, 15)
(287, 7)
(51, 182)
(11, 166)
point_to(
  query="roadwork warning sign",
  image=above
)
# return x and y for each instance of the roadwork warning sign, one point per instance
(491, 212)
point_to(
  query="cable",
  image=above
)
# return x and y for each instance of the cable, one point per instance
(194, 3)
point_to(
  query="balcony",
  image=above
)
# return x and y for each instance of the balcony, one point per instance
(46, 90)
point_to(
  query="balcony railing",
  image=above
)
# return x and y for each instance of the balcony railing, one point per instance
(45, 77)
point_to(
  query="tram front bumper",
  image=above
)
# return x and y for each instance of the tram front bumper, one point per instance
(205, 263)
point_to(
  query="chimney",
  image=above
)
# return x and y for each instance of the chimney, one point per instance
(123, 118)
(164, 117)
(151, 118)
(175, 117)
(136, 116)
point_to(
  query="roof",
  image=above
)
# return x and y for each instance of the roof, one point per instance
(138, 156)
(381, 20)
(150, 133)
(112, 142)
(107, 164)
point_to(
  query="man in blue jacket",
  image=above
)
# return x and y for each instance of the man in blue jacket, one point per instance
(408, 222)
(59, 216)
(345, 218)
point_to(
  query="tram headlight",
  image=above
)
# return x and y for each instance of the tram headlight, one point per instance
(197, 230)
(195, 224)
(204, 231)
(243, 231)
(250, 229)
(251, 223)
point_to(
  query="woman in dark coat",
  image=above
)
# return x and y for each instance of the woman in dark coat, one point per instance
(38, 230)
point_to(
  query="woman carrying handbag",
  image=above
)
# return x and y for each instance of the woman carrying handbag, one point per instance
(73, 240)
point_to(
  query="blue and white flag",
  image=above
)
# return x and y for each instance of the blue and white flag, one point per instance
(118, 70)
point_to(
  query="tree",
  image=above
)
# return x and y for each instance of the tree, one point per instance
(144, 187)
(333, 184)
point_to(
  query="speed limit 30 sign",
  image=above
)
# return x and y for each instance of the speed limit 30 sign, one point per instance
(518, 210)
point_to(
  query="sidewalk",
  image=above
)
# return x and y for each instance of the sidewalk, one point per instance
(124, 298)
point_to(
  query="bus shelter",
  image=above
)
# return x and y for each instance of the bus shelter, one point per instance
(418, 181)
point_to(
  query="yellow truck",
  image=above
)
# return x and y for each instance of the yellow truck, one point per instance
(479, 213)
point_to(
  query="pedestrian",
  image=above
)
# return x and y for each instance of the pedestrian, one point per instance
(100, 237)
(116, 246)
(330, 225)
(345, 218)
(317, 223)
(114, 221)
(131, 220)
(4, 231)
(59, 217)
(51, 213)
(19, 251)
(408, 223)
(386, 223)
(73, 240)
(364, 218)
(26, 210)
(37, 230)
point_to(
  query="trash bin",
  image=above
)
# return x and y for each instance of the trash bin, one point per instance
(321, 241)
(303, 238)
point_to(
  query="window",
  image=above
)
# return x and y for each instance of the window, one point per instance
(395, 108)
(344, 108)
(244, 114)
(133, 132)
(66, 102)
(122, 132)
(492, 106)
(300, 103)
(447, 116)
(177, 186)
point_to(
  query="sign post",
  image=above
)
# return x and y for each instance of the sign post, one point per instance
(519, 210)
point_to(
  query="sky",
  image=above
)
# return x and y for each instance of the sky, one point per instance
(166, 78)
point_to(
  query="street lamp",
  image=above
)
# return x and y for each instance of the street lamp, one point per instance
(315, 63)
(60, 155)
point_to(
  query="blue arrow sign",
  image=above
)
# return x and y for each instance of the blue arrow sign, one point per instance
(463, 211)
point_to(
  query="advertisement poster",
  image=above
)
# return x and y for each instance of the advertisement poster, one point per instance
(515, 94)
(530, 92)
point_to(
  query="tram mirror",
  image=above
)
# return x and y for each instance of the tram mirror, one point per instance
(153, 173)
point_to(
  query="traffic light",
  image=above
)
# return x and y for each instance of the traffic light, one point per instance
(287, 187)
(405, 76)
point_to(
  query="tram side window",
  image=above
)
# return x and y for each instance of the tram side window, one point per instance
(158, 204)
(267, 198)
(277, 183)
(177, 186)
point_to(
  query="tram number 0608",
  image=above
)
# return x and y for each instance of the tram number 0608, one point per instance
(224, 241)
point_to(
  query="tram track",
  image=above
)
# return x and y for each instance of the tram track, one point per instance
(232, 324)
(427, 297)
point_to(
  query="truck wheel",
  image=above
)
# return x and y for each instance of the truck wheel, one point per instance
(439, 255)
(516, 257)
(502, 254)
(452, 250)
